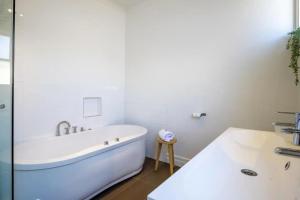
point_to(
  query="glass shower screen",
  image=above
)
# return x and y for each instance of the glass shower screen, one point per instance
(6, 37)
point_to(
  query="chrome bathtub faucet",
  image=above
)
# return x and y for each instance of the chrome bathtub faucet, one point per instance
(295, 131)
(58, 133)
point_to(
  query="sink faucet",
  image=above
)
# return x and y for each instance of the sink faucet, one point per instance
(296, 130)
(297, 122)
(58, 133)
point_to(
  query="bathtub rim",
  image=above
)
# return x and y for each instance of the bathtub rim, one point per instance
(79, 156)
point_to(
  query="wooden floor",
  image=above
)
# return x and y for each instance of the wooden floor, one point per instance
(139, 186)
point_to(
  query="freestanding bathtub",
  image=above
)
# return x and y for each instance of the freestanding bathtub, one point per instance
(78, 166)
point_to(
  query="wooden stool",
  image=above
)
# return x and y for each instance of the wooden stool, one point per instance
(160, 142)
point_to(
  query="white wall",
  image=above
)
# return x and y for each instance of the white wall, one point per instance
(225, 58)
(67, 50)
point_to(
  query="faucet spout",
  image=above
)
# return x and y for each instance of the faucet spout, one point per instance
(58, 127)
(297, 122)
(295, 131)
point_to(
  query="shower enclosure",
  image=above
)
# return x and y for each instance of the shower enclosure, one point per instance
(6, 87)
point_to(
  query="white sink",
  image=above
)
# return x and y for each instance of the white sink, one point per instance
(215, 173)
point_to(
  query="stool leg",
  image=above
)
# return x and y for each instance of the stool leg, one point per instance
(171, 158)
(158, 150)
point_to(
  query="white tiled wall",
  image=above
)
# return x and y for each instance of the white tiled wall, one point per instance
(67, 50)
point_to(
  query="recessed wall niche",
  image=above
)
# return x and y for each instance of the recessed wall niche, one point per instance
(92, 107)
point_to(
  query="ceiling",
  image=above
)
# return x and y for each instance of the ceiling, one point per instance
(5, 16)
(128, 2)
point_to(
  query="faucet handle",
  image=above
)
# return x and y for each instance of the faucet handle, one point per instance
(82, 129)
(67, 131)
(287, 113)
(291, 130)
(297, 118)
(74, 129)
(296, 135)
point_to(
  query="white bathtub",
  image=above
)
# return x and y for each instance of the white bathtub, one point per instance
(78, 166)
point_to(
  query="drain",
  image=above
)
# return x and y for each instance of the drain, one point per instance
(287, 165)
(249, 172)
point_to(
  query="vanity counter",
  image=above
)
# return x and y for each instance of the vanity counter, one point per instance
(215, 173)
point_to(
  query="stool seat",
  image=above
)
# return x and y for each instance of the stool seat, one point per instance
(158, 139)
(169, 144)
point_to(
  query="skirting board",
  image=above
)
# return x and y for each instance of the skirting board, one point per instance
(178, 160)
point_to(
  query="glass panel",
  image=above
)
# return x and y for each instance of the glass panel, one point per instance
(6, 24)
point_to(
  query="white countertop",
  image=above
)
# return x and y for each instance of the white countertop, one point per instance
(215, 173)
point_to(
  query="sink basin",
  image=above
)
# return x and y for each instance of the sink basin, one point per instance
(224, 170)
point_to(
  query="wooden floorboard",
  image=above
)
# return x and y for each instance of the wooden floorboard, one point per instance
(139, 186)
